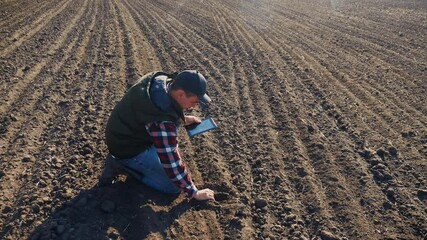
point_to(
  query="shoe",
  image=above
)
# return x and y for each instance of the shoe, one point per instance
(111, 169)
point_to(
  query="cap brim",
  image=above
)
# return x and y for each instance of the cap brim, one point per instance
(204, 99)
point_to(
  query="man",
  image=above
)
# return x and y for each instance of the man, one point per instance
(141, 132)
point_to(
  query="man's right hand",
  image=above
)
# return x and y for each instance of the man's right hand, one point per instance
(204, 194)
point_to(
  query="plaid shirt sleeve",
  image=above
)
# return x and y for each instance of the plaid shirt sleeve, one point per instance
(164, 136)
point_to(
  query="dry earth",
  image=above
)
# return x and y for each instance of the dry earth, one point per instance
(321, 107)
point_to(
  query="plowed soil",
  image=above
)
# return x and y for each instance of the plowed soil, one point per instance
(321, 107)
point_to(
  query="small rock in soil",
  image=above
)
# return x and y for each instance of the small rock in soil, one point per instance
(260, 203)
(366, 154)
(26, 158)
(86, 151)
(326, 235)
(108, 206)
(277, 181)
(387, 205)
(42, 184)
(409, 134)
(381, 153)
(7, 209)
(392, 151)
(222, 196)
(291, 218)
(36, 208)
(422, 194)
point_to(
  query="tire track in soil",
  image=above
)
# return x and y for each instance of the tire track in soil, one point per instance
(54, 121)
(32, 29)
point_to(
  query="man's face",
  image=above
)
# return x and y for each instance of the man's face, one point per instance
(187, 101)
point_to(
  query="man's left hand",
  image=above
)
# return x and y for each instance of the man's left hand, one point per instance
(191, 119)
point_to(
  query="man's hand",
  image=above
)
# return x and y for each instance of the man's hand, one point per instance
(204, 194)
(191, 119)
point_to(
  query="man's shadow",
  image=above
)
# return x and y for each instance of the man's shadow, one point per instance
(125, 209)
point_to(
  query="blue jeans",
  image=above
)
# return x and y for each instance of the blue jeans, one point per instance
(147, 168)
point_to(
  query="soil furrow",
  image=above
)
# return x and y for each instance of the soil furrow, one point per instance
(200, 219)
(32, 29)
(320, 106)
(351, 88)
(216, 164)
(273, 104)
(317, 42)
(345, 42)
(352, 55)
(167, 46)
(265, 116)
(42, 67)
(353, 25)
(52, 122)
(153, 37)
(143, 56)
(198, 32)
(317, 91)
(19, 18)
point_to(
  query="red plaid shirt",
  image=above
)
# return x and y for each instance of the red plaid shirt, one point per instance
(164, 136)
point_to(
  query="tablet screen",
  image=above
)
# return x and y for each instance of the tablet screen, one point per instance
(207, 124)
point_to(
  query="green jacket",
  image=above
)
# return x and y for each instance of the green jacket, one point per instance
(126, 135)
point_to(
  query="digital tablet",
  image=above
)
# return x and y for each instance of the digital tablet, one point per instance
(207, 124)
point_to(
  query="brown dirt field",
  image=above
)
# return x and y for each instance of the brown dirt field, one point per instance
(321, 107)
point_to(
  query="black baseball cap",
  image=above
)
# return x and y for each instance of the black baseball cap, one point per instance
(194, 82)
